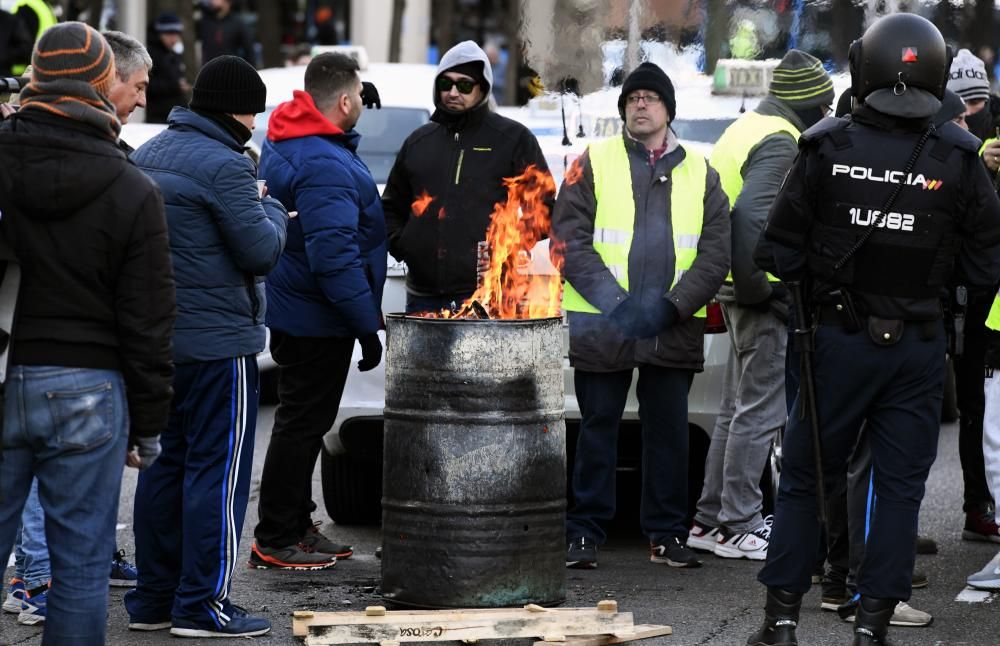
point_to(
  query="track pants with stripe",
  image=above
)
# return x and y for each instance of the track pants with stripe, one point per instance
(191, 503)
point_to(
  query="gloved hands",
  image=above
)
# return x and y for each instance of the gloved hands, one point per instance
(371, 352)
(369, 95)
(143, 451)
(636, 322)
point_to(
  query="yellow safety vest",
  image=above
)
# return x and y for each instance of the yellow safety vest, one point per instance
(983, 147)
(993, 320)
(615, 217)
(46, 18)
(733, 148)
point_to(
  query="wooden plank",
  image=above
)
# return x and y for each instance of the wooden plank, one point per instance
(642, 631)
(451, 625)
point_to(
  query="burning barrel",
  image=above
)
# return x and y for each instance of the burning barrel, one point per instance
(474, 470)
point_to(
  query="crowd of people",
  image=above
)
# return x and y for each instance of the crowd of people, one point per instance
(851, 255)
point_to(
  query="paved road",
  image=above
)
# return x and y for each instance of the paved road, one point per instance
(718, 604)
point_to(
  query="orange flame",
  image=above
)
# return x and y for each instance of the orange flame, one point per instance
(574, 173)
(420, 204)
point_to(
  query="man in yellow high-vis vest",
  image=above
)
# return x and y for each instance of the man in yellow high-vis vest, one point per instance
(752, 157)
(37, 16)
(645, 224)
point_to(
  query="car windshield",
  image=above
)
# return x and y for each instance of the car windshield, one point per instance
(705, 131)
(382, 135)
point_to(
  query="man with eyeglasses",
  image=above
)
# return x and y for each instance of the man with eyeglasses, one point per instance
(447, 177)
(752, 157)
(645, 224)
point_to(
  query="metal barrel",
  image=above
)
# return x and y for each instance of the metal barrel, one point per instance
(474, 465)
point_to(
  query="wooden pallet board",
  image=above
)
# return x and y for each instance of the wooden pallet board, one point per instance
(640, 631)
(386, 627)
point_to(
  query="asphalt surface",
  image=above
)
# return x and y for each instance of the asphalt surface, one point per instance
(719, 603)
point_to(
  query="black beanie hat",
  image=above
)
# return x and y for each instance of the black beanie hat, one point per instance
(228, 84)
(649, 76)
(472, 69)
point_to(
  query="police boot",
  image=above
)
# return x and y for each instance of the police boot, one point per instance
(872, 621)
(781, 616)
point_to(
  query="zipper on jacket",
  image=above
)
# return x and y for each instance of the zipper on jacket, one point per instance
(458, 168)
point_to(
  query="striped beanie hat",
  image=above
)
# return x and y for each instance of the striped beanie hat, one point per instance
(73, 51)
(800, 81)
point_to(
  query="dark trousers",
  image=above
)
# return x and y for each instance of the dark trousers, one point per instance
(191, 503)
(897, 390)
(969, 377)
(662, 394)
(311, 376)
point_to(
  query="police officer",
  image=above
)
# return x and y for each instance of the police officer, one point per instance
(870, 216)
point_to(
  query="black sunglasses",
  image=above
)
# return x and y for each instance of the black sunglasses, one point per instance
(465, 86)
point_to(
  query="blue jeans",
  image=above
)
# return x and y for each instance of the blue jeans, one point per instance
(67, 427)
(31, 554)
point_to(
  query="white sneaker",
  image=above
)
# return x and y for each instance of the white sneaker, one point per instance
(905, 615)
(703, 537)
(989, 577)
(750, 545)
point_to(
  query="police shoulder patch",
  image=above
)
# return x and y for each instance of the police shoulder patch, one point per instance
(823, 128)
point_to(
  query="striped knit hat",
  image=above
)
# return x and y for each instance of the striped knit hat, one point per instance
(72, 69)
(800, 81)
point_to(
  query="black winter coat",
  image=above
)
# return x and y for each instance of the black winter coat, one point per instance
(461, 166)
(164, 91)
(97, 286)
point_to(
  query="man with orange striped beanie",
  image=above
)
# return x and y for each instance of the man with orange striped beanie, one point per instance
(90, 369)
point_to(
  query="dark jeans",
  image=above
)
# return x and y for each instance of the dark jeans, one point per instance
(662, 394)
(897, 390)
(969, 377)
(416, 303)
(311, 376)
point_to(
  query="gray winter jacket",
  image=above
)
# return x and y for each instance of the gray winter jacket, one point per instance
(763, 172)
(596, 343)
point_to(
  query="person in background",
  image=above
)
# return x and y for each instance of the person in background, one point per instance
(168, 87)
(224, 237)
(91, 370)
(15, 44)
(222, 32)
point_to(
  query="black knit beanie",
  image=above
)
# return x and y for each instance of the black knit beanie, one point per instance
(800, 81)
(230, 85)
(472, 69)
(649, 76)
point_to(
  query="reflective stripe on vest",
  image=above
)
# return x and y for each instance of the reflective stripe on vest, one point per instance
(993, 320)
(615, 217)
(733, 148)
(46, 18)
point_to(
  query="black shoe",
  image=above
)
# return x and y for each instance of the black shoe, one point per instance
(674, 553)
(872, 621)
(781, 616)
(918, 580)
(581, 553)
(926, 545)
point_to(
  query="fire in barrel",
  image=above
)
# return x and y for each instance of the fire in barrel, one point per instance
(474, 470)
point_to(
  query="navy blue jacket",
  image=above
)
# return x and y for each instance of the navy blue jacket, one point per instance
(329, 280)
(223, 237)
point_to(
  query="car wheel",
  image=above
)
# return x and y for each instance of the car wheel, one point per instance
(352, 489)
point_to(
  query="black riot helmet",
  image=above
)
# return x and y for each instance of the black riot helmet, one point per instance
(900, 66)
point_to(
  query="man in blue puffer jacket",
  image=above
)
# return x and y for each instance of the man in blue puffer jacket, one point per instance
(325, 292)
(224, 237)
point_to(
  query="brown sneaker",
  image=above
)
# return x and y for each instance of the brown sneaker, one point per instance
(981, 525)
(315, 540)
(292, 557)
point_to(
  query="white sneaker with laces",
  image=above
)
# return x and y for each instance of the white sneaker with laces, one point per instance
(749, 545)
(703, 537)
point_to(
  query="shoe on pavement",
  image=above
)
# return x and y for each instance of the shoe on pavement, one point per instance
(903, 615)
(926, 545)
(316, 540)
(986, 579)
(918, 580)
(33, 606)
(981, 525)
(703, 537)
(149, 626)
(674, 553)
(239, 623)
(15, 595)
(748, 545)
(832, 602)
(123, 573)
(581, 553)
(292, 557)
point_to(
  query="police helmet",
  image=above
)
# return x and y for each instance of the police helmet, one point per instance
(900, 66)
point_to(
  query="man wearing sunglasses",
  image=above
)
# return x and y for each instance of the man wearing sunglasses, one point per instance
(448, 175)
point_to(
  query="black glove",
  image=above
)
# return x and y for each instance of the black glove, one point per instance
(369, 96)
(371, 352)
(148, 449)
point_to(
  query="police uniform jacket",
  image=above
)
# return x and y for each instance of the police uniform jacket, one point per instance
(596, 342)
(837, 187)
